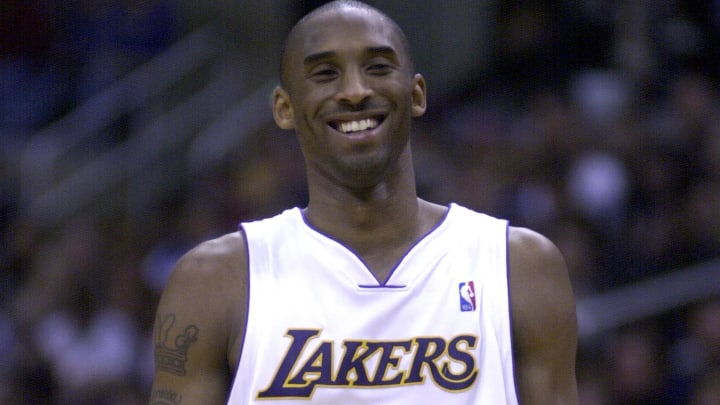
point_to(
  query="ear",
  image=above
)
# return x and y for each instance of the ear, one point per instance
(282, 110)
(419, 95)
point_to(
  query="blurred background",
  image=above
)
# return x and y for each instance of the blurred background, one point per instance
(131, 130)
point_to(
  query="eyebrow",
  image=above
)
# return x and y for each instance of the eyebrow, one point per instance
(383, 50)
(372, 50)
(312, 58)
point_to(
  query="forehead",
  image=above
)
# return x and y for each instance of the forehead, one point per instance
(345, 29)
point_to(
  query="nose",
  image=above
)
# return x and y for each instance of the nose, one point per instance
(353, 89)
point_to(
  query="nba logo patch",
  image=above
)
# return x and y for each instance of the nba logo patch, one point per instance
(467, 296)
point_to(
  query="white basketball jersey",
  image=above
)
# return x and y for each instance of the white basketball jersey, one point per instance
(322, 330)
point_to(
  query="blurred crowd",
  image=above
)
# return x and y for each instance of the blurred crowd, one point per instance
(599, 131)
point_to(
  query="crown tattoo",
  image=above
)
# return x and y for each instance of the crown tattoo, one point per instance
(172, 358)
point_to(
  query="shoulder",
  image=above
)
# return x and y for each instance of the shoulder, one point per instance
(544, 322)
(539, 281)
(221, 257)
(211, 267)
(541, 296)
(208, 286)
(213, 272)
(533, 254)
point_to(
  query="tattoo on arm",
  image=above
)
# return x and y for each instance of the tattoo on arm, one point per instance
(164, 397)
(172, 357)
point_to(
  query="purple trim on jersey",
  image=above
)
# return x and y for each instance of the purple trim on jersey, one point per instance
(509, 295)
(380, 284)
(247, 300)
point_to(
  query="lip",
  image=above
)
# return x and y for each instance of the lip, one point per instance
(334, 121)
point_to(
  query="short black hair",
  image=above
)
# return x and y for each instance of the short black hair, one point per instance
(336, 5)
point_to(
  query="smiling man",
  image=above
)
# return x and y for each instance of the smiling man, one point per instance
(369, 294)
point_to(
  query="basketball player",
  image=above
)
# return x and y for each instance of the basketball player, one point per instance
(369, 295)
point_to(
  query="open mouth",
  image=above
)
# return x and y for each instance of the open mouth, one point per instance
(349, 127)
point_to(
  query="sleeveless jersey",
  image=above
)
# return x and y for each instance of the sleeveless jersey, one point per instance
(322, 330)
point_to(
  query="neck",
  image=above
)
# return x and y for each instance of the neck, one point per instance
(387, 212)
(358, 215)
(379, 223)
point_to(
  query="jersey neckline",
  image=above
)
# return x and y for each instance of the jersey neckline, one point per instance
(367, 279)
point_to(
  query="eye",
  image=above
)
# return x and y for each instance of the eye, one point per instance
(323, 73)
(380, 68)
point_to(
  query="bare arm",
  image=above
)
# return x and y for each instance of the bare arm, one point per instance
(544, 320)
(198, 322)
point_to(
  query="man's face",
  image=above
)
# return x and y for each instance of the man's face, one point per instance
(350, 94)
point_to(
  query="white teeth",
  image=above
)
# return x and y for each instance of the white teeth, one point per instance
(362, 125)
